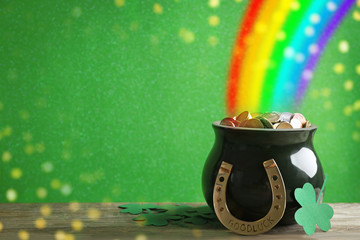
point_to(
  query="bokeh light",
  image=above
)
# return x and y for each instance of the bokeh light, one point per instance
(93, 213)
(11, 195)
(40, 223)
(23, 235)
(77, 225)
(45, 210)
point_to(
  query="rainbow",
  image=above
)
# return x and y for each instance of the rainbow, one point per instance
(276, 51)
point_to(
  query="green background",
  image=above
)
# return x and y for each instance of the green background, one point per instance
(113, 100)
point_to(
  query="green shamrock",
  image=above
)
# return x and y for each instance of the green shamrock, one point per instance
(312, 213)
(177, 214)
(156, 219)
(134, 208)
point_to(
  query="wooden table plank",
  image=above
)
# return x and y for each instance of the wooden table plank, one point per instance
(104, 221)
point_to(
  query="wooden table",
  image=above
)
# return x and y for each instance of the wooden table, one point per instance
(68, 221)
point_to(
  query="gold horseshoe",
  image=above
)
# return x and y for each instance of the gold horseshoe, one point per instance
(259, 226)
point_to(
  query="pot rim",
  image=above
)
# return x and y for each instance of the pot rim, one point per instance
(217, 124)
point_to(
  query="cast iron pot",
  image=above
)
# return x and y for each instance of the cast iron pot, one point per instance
(249, 192)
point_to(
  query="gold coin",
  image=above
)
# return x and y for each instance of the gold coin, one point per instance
(273, 117)
(253, 123)
(301, 118)
(307, 124)
(295, 123)
(243, 116)
(255, 114)
(265, 122)
(228, 122)
(284, 125)
(241, 124)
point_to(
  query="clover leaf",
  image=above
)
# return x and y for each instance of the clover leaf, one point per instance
(134, 208)
(162, 215)
(312, 212)
(159, 219)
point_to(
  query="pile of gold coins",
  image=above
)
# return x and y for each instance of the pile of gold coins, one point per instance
(274, 120)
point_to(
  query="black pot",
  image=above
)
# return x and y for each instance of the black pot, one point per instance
(249, 195)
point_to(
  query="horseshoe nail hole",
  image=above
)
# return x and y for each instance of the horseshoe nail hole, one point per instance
(277, 207)
(274, 177)
(218, 189)
(219, 199)
(221, 179)
(278, 196)
(221, 209)
(277, 186)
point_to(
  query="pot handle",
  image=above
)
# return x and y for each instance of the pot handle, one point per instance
(259, 226)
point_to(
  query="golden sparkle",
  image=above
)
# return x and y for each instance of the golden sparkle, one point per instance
(41, 192)
(357, 69)
(7, 131)
(356, 15)
(197, 233)
(45, 210)
(295, 5)
(343, 46)
(281, 36)
(158, 9)
(6, 156)
(214, 20)
(74, 206)
(356, 136)
(348, 85)
(23, 235)
(186, 35)
(119, 3)
(29, 149)
(348, 110)
(325, 92)
(356, 105)
(213, 41)
(339, 68)
(77, 225)
(40, 223)
(214, 3)
(55, 184)
(60, 235)
(69, 236)
(11, 195)
(93, 214)
(16, 173)
(141, 236)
